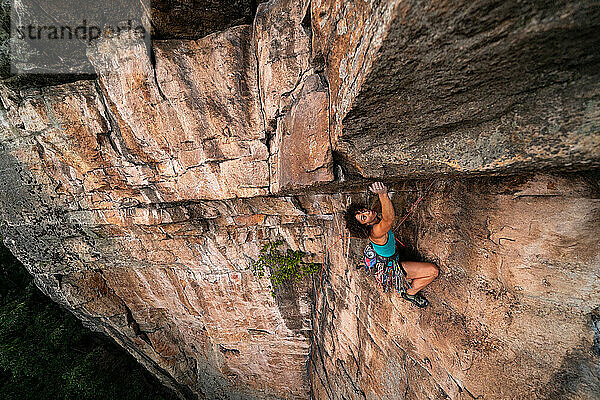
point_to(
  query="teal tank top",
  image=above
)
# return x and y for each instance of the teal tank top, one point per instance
(389, 248)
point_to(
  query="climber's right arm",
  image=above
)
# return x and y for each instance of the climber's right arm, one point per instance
(387, 211)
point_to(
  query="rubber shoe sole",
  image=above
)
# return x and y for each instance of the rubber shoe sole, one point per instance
(416, 299)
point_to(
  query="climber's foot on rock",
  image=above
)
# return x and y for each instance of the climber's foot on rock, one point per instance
(416, 299)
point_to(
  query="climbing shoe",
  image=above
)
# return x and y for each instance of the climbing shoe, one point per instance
(416, 299)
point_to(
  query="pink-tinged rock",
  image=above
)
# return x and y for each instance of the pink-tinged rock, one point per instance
(194, 116)
(294, 97)
(305, 152)
(348, 35)
(510, 305)
(283, 50)
(249, 219)
(90, 170)
(212, 87)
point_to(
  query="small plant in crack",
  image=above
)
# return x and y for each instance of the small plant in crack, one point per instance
(283, 267)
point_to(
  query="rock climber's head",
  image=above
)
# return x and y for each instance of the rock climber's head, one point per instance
(359, 220)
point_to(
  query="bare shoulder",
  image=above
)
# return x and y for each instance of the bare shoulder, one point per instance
(380, 230)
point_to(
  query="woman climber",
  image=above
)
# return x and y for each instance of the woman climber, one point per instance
(381, 255)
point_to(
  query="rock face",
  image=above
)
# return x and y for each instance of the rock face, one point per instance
(513, 313)
(113, 161)
(185, 19)
(215, 156)
(293, 95)
(476, 87)
(138, 198)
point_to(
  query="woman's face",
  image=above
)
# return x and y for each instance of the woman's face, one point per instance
(366, 217)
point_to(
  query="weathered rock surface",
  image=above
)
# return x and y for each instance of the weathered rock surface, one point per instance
(513, 312)
(470, 87)
(137, 199)
(102, 175)
(193, 116)
(168, 281)
(185, 19)
(294, 96)
(346, 38)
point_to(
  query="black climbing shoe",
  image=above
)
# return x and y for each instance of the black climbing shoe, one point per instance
(416, 299)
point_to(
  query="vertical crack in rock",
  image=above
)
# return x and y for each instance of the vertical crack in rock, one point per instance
(267, 126)
(356, 389)
(114, 130)
(318, 66)
(152, 55)
(317, 346)
(307, 25)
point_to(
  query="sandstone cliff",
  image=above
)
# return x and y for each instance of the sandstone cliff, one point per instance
(137, 198)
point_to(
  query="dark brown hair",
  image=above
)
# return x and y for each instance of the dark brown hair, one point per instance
(356, 228)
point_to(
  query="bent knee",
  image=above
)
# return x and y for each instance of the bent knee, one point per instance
(435, 271)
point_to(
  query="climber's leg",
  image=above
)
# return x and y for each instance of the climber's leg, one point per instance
(421, 273)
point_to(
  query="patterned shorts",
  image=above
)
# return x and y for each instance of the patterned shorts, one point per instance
(387, 271)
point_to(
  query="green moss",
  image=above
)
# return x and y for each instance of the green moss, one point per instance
(283, 267)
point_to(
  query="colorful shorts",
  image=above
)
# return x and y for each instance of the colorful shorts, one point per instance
(387, 271)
